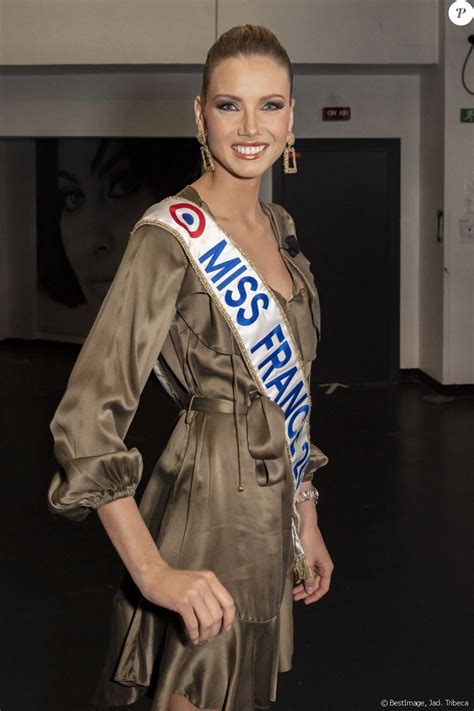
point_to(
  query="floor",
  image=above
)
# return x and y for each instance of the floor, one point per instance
(396, 512)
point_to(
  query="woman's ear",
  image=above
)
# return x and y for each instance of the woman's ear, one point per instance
(290, 127)
(198, 113)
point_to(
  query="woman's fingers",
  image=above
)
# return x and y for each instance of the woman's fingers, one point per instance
(191, 622)
(215, 610)
(196, 614)
(310, 584)
(322, 589)
(223, 597)
(206, 619)
(197, 595)
(307, 588)
(205, 604)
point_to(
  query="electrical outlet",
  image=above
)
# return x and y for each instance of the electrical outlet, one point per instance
(469, 197)
(466, 229)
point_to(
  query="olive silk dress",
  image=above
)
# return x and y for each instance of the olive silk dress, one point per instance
(157, 314)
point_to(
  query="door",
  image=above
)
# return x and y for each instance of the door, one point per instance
(345, 201)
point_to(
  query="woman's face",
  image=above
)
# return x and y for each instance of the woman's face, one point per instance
(101, 202)
(248, 102)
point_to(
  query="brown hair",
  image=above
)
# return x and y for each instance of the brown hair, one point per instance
(244, 40)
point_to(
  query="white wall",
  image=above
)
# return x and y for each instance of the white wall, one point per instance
(61, 102)
(40, 32)
(343, 31)
(458, 344)
(431, 198)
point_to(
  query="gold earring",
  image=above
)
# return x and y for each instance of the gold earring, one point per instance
(289, 151)
(206, 155)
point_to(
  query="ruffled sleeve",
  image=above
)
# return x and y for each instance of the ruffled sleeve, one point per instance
(105, 384)
(317, 458)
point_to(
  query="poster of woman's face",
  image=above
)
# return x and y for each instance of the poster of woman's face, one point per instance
(91, 192)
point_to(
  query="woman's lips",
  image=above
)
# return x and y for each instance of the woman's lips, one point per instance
(258, 150)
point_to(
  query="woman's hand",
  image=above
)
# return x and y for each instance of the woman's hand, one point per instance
(197, 595)
(317, 556)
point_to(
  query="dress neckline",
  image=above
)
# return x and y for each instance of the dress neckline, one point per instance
(276, 233)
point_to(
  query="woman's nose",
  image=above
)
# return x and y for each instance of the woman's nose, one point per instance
(250, 124)
(101, 238)
(102, 245)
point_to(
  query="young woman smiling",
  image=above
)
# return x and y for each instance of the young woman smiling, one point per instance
(202, 618)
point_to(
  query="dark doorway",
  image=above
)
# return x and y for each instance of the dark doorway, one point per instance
(345, 201)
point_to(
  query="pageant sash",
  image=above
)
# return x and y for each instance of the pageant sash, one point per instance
(257, 321)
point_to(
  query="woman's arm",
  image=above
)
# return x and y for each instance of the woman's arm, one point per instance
(311, 537)
(307, 510)
(131, 538)
(197, 595)
(104, 387)
(96, 470)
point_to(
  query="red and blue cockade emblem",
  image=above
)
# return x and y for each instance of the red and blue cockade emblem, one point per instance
(190, 217)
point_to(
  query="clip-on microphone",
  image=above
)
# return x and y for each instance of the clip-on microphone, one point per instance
(293, 246)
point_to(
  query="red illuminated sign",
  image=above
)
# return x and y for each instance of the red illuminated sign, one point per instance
(336, 113)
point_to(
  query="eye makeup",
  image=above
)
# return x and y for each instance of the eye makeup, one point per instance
(276, 104)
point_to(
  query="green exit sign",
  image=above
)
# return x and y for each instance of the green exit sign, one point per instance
(467, 115)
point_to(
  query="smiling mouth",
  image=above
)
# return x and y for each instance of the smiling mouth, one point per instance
(250, 151)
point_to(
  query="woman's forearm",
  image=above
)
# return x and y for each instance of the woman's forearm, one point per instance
(197, 595)
(307, 509)
(129, 534)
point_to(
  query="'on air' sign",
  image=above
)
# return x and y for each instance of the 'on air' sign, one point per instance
(336, 113)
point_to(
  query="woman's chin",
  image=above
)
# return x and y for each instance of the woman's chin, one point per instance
(249, 169)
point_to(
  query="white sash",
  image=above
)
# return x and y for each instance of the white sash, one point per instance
(256, 319)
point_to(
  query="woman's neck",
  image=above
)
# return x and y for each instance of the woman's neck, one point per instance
(231, 200)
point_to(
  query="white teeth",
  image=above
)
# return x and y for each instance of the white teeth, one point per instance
(249, 150)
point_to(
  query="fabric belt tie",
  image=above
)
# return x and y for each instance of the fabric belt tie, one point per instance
(265, 428)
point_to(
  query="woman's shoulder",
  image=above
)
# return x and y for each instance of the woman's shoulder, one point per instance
(151, 236)
(282, 214)
(151, 216)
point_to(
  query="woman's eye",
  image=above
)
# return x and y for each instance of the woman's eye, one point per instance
(276, 105)
(226, 103)
(71, 200)
(124, 185)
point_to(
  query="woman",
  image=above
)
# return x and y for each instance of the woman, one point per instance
(91, 191)
(203, 615)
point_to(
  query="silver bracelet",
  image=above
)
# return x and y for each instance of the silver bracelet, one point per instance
(309, 495)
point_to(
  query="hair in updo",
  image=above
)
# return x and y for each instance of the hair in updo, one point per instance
(244, 40)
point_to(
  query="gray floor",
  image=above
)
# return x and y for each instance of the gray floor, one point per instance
(396, 511)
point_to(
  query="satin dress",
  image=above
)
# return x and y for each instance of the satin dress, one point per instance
(157, 314)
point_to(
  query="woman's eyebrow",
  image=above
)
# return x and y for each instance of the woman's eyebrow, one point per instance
(107, 165)
(238, 98)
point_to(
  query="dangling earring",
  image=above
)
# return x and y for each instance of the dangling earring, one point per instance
(207, 159)
(289, 150)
